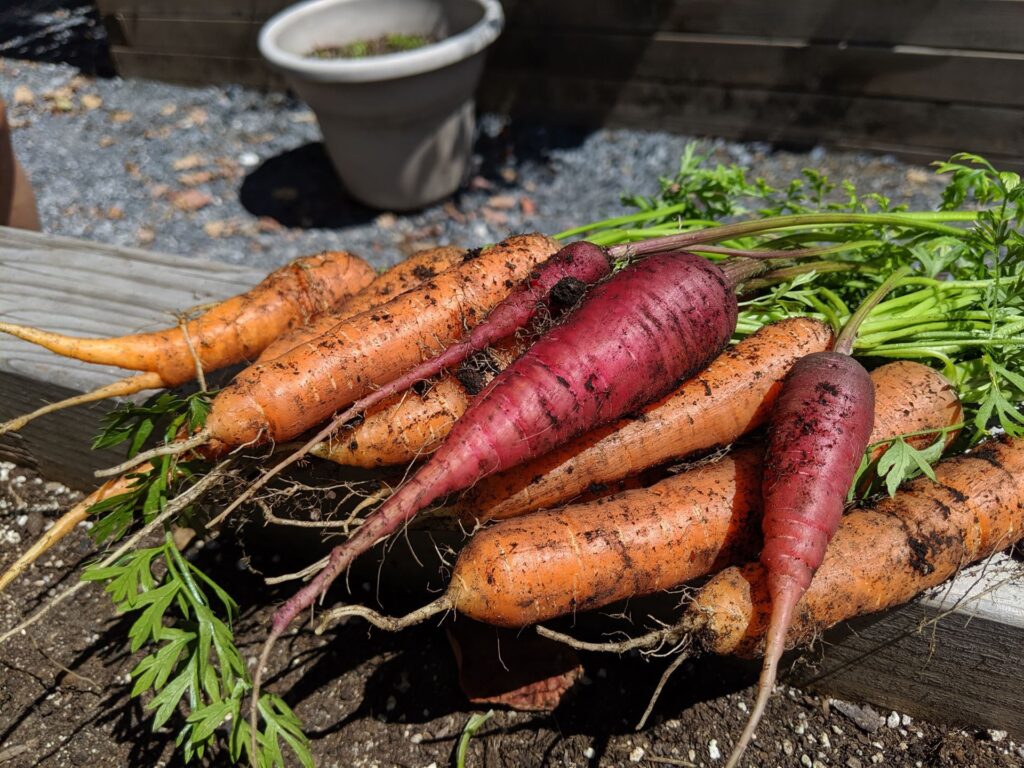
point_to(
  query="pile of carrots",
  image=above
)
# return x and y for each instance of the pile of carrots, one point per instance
(533, 384)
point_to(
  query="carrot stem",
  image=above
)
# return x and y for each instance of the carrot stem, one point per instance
(844, 342)
(168, 449)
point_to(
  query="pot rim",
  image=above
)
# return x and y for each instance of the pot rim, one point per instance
(388, 66)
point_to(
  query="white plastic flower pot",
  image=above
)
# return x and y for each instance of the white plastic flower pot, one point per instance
(398, 127)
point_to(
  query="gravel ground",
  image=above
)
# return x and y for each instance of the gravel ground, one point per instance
(231, 174)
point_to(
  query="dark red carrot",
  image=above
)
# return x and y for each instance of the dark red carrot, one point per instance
(817, 434)
(560, 279)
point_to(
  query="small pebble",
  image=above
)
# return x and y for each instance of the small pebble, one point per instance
(825, 742)
(893, 720)
(636, 755)
(787, 747)
(877, 758)
(713, 751)
(996, 736)
(589, 753)
(248, 159)
(417, 738)
(806, 760)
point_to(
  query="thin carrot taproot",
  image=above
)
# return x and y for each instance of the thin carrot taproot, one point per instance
(233, 331)
(731, 397)
(584, 556)
(65, 524)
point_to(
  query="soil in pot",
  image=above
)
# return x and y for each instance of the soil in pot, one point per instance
(379, 46)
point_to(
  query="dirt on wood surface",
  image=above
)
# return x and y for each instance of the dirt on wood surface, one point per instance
(368, 698)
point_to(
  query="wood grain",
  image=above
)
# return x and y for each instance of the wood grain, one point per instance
(956, 655)
(88, 289)
(928, 129)
(932, 75)
(990, 25)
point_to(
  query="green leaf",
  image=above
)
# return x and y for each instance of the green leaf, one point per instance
(207, 719)
(166, 702)
(149, 624)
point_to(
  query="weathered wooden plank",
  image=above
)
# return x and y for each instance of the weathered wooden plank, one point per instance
(211, 37)
(258, 10)
(189, 69)
(931, 128)
(73, 286)
(991, 25)
(758, 63)
(954, 656)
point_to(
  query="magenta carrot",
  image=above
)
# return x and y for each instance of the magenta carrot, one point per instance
(561, 278)
(817, 434)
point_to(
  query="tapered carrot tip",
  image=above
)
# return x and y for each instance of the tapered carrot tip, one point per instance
(785, 595)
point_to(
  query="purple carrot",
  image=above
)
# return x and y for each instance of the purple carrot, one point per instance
(817, 433)
(560, 279)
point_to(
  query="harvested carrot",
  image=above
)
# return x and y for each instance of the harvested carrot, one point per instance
(817, 433)
(65, 524)
(584, 556)
(413, 424)
(279, 399)
(881, 556)
(731, 397)
(235, 330)
(406, 275)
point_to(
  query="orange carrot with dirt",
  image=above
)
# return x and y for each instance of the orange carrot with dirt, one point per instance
(406, 275)
(584, 556)
(234, 330)
(731, 397)
(279, 399)
(411, 425)
(881, 556)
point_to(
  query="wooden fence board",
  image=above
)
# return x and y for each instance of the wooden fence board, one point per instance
(928, 129)
(258, 10)
(190, 69)
(990, 25)
(210, 37)
(855, 70)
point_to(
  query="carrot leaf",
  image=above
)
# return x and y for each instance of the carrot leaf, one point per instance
(193, 670)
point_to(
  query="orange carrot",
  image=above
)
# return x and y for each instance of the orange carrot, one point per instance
(730, 398)
(236, 329)
(411, 273)
(411, 425)
(584, 556)
(279, 399)
(881, 556)
(233, 331)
